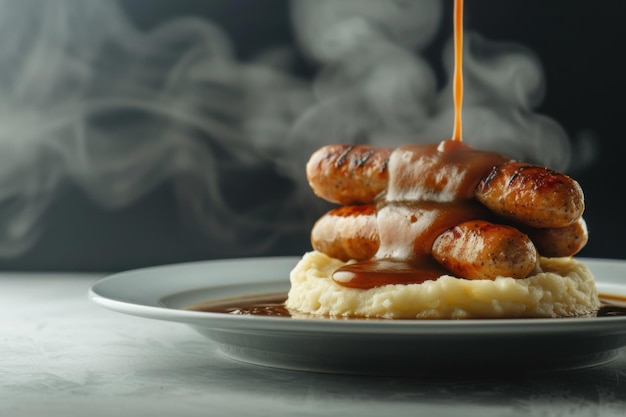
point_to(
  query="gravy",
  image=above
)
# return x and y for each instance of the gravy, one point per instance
(430, 189)
(273, 304)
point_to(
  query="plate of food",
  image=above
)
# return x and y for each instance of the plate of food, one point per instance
(437, 259)
(238, 305)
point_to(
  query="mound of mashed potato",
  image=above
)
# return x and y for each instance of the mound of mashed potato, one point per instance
(561, 287)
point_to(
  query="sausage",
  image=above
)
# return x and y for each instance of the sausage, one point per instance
(478, 249)
(348, 174)
(532, 195)
(351, 232)
(347, 232)
(561, 241)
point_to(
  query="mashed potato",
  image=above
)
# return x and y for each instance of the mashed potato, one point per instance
(561, 287)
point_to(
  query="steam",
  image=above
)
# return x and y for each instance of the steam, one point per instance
(86, 98)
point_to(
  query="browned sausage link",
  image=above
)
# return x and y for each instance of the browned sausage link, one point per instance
(479, 249)
(561, 241)
(348, 232)
(532, 195)
(348, 174)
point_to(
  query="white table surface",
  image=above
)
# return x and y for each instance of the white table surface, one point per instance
(63, 355)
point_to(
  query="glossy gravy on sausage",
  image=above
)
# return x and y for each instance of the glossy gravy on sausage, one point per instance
(431, 189)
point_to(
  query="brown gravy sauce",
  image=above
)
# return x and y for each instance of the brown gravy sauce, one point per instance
(431, 189)
(273, 304)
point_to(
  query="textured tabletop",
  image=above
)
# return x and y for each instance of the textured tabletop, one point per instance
(61, 354)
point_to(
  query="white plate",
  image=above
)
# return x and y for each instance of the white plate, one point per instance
(362, 346)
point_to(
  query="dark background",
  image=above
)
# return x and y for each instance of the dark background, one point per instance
(580, 44)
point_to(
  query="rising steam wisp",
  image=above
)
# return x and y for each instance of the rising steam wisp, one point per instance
(89, 99)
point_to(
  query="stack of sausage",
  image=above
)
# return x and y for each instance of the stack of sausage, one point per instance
(533, 211)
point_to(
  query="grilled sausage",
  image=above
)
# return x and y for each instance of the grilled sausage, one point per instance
(348, 232)
(561, 241)
(348, 174)
(479, 249)
(352, 232)
(521, 192)
(532, 195)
